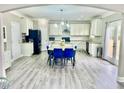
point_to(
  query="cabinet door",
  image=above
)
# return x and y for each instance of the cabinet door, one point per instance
(93, 27)
(74, 29)
(55, 30)
(90, 49)
(86, 29)
(96, 27)
(93, 49)
(80, 29)
(99, 27)
(27, 24)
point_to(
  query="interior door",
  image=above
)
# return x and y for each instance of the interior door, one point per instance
(16, 38)
(112, 42)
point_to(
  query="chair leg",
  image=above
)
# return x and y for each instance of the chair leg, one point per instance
(53, 63)
(73, 62)
(74, 59)
(64, 61)
(61, 62)
(50, 61)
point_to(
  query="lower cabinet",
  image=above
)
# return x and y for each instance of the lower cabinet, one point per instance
(93, 49)
(27, 49)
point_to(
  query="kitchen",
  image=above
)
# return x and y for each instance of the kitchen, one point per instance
(57, 26)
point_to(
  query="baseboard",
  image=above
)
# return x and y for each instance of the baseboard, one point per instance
(44, 50)
(12, 60)
(120, 79)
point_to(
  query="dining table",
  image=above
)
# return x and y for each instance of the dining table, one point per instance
(62, 46)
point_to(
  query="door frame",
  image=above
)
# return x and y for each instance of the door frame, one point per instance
(113, 59)
(12, 41)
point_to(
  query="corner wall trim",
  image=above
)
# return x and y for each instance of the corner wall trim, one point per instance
(120, 79)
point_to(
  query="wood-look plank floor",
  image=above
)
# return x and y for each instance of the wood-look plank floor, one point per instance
(89, 73)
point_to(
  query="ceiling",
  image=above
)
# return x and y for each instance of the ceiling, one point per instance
(63, 12)
(109, 7)
(9, 7)
(113, 7)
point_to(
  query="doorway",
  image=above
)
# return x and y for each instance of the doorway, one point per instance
(16, 38)
(112, 41)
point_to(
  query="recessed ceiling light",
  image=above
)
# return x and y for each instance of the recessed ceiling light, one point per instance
(61, 10)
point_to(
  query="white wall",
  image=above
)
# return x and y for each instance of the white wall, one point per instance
(7, 19)
(2, 70)
(42, 24)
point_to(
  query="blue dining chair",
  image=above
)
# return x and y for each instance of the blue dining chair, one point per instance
(57, 54)
(69, 53)
(50, 55)
(75, 48)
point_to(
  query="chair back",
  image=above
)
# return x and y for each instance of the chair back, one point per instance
(69, 53)
(47, 47)
(75, 50)
(50, 52)
(58, 53)
(75, 47)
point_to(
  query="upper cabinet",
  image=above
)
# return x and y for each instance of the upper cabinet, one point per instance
(79, 29)
(74, 29)
(28, 24)
(96, 27)
(55, 29)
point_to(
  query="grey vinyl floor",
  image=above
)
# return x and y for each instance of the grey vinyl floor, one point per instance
(89, 73)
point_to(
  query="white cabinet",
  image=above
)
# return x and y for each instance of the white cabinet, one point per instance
(96, 27)
(75, 29)
(93, 49)
(55, 29)
(86, 29)
(27, 49)
(7, 59)
(79, 29)
(27, 24)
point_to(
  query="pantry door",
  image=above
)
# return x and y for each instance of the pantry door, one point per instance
(16, 38)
